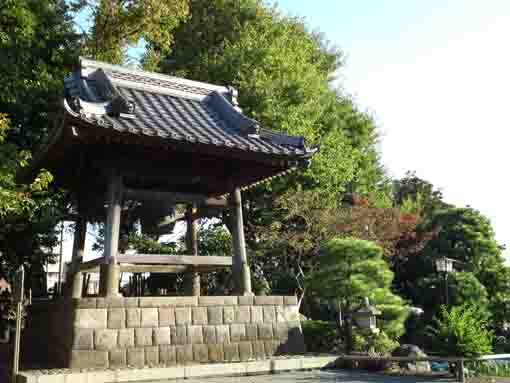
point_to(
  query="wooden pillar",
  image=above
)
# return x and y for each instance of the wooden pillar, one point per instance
(109, 279)
(80, 233)
(192, 246)
(240, 267)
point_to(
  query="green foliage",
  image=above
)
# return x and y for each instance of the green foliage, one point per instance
(464, 288)
(119, 24)
(350, 269)
(144, 244)
(414, 194)
(282, 73)
(462, 331)
(38, 46)
(374, 343)
(499, 368)
(320, 336)
(28, 213)
(214, 240)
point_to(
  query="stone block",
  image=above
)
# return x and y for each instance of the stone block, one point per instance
(117, 302)
(209, 333)
(116, 318)
(126, 338)
(135, 357)
(178, 335)
(83, 339)
(269, 314)
(105, 339)
(290, 300)
(167, 355)
(84, 303)
(133, 317)
(246, 300)
(150, 317)
(223, 334)
(217, 300)
(256, 314)
(90, 318)
(184, 354)
(231, 352)
(215, 315)
(200, 353)
(182, 316)
(228, 315)
(168, 301)
(161, 335)
(199, 315)
(166, 316)
(117, 358)
(265, 331)
(287, 313)
(88, 359)
(216, 352)
(151, 356)
(143, 336)
(242, 314)
(265, 300)
(194, 335)
(251, 331)
(245, 351)
(281, 331)
(237, 332)
(258, 350)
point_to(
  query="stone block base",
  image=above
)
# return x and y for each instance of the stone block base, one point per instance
(162, 331)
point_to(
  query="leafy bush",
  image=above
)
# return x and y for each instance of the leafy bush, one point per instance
(462, 331)
(380, 343)
(320, 336)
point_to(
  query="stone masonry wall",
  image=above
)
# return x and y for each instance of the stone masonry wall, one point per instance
(152, 331)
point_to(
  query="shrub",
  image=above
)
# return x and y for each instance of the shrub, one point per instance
(380, 343)
(320, 336)
(462, 331)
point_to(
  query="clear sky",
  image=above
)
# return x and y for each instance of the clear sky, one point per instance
(435, 74)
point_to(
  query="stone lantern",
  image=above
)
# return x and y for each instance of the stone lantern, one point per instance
(365, 317)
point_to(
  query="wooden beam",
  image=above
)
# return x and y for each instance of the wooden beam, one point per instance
(160, 269)
(92, 264)
(191, 260)
(159, 195)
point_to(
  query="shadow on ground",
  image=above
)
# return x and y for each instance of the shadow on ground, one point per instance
(327, 376)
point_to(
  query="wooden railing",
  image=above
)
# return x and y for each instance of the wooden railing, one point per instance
(459, 361)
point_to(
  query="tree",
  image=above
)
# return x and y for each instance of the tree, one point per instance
(38, 46)
(119, 24)
(351, 269)
(465, 235)
(28, 214)
(420, 192)
(462, 331)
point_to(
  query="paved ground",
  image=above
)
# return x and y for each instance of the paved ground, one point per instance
(316, 377)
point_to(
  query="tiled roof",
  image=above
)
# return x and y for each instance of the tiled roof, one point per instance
(143, 103)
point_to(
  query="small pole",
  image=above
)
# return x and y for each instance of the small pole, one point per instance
(20, 281)
(460, 371)
(446, 289)
(60, 266)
